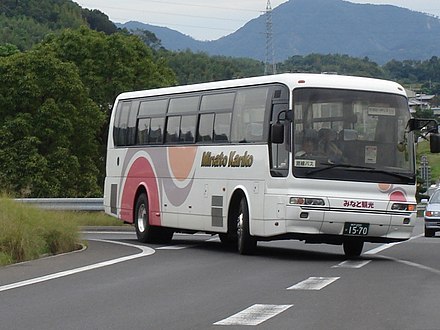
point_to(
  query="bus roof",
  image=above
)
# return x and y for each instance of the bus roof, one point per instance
(292, 80)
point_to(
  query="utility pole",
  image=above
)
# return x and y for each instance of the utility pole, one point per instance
(269, 66)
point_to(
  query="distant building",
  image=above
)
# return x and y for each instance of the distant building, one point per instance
(419, 101)
(436, 111)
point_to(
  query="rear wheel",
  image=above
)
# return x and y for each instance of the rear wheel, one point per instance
(353, 248)
(144, 231)
(141, 222)
(246, 243)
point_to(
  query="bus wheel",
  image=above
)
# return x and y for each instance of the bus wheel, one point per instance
(353, 248)
(143, 229)
(429, 232)
(246, 243)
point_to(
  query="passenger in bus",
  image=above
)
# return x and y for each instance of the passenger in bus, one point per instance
(308, 146)
(327, 145)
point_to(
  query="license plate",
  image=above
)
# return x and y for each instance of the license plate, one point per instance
(356, 229)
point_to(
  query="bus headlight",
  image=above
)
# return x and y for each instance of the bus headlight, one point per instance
(403, 207)
(306, 201)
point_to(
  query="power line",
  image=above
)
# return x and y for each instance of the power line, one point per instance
(164, 21)
(203, 6)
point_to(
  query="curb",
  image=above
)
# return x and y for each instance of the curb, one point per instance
(124, 228)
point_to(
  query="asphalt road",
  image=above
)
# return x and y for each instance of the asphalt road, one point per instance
(196, 283)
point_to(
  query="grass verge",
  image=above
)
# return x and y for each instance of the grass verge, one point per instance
(27, 232)
(433, 159)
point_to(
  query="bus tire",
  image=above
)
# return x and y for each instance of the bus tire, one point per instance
(145, 232)
(353, 248)
(429, 232)
(228, 241)
(245, 242)
(141, 219)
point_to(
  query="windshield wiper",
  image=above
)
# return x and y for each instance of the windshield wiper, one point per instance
(397, 175)
(359, 167)
(338, 165)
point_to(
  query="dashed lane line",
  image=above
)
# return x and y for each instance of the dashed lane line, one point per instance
(352, 264)
(145, 251)
(313, 283)
(254, 315)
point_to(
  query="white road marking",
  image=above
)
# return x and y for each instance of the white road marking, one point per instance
(181, 247)
(381, 248)
(313, 283)
(109, 232)
(413, 264)
(254, 315)
(145, 251)
(352, 264)
(174, 247)
(389, 245)
(405, 262)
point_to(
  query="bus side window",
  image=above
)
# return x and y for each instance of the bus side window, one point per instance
(249, 111)
(173, 128)
(143, 130)
(121, 126)
(279, 162)
(206, 127)
(156, 130)
(188, 128)
(131, 125)
(222, 127)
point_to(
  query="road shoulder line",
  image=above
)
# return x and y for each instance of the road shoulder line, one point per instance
(145, 251)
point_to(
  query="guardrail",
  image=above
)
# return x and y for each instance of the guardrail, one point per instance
(421, 209)
(66, 204)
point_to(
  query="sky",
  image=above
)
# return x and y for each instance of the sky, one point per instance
(210, 19)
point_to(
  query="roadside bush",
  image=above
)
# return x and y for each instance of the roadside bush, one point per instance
(27, 233)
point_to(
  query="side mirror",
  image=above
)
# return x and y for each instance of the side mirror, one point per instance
(415, 124)
(434, 143)
(277, 133)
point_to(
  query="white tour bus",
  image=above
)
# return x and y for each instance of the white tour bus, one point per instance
(313, 157)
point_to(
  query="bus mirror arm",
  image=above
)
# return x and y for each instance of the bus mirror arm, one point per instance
(419, 124)
(426, 127)
(277, 132)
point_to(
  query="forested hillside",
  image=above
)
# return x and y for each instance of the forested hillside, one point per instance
(24, 23)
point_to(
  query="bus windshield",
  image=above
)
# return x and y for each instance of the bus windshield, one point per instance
(351, 135)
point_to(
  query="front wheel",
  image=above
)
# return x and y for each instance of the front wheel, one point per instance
(246, 243)
(353, 248)
(429, 232)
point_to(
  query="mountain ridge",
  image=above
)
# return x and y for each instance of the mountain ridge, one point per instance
(302, 27)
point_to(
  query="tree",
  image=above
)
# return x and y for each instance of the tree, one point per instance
(200, 67)
(49, 127)
(342, 64)
(8, 49)
(109, 64)
(99, 21)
